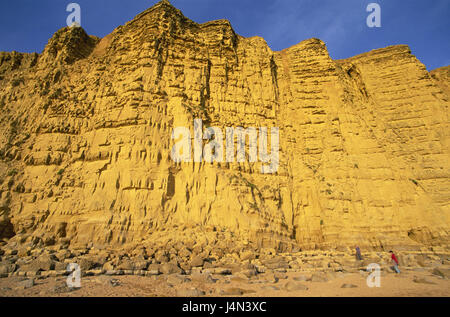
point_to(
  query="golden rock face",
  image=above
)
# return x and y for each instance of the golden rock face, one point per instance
(87, 125)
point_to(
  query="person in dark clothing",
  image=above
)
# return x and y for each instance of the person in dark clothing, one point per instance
(358, 253)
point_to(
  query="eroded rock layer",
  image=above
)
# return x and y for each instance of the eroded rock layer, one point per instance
(86, 139)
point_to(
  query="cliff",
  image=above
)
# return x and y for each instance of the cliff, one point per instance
(86, 142)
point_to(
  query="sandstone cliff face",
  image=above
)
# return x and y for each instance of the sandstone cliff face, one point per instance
(442, 77)
(86, 140)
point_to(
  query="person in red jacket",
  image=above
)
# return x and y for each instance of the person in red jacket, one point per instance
(395, 262)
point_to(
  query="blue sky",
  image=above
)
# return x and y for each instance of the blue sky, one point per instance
(26, 25)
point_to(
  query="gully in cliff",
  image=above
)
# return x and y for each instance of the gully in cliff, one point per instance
(214, 150)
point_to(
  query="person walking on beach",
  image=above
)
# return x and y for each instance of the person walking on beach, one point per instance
(395, 262)
(358, 254)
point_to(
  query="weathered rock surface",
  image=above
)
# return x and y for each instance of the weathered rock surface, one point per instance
(294, 286)
(345, 285)
(442, 77)
(189, 293)
(85, 141)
